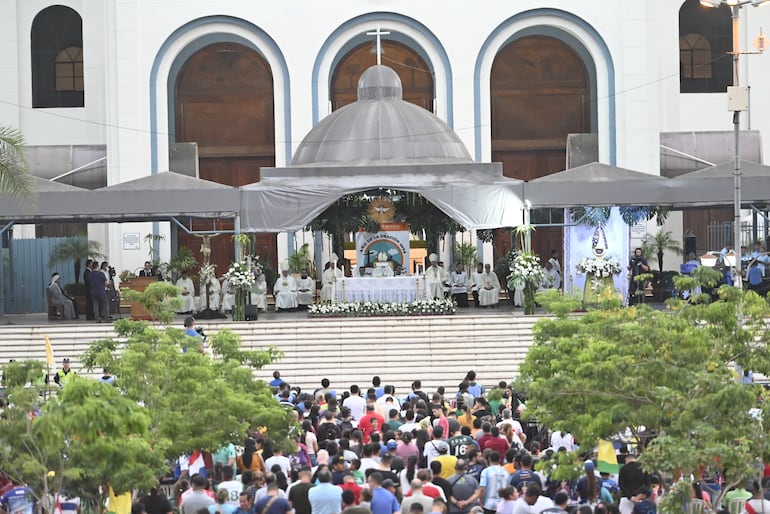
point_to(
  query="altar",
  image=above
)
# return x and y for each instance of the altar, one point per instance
(383, 289)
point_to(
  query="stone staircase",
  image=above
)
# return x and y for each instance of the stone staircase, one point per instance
(439, 350)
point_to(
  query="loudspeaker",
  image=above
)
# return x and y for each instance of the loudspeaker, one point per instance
(250, 312)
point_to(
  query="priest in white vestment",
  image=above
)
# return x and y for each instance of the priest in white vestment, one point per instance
(551, 277)
(489, 287)
(211, 290)
(329, 276)
(305, 289)
(435, 278)
(259, 293)
(187, 293)
(285, 290)
(228, 297)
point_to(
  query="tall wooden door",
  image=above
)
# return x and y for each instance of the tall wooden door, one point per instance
(416, 77)
(224, 102)
(539, 95)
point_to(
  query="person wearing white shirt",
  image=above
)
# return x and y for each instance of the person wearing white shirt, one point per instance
(233, 487)
(187, 293)
(562, 440)
(305, 289)
(280, 459)
(532, 502)
(285, 290)
(355, 403)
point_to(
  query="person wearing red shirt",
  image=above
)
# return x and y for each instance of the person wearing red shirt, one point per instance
(495, 442)
(349, 484)
(365, 423)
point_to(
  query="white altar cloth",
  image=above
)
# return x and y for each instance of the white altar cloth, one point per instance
(383, 289)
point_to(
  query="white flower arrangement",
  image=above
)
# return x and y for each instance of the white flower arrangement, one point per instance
(599, 267)
(240, 276)
(365, 309)
(525, 269)
(207, 274)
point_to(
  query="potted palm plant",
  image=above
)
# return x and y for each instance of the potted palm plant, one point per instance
(656, 245)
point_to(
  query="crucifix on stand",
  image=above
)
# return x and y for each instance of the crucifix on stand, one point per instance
(378, 33)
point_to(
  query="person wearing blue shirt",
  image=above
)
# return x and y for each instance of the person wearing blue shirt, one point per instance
(18, 500)
(189, 327)
(325, 498)
(383, 501)
(277, 380)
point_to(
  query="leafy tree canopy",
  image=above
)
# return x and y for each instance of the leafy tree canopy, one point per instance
(76, 440)
(194, 400)
(670, 373)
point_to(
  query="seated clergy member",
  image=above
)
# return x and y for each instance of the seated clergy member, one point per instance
(259, 294)
(489, 287)
(285, 290)
(187, 294)
(228, 297)
(458, 282)
(305, 289)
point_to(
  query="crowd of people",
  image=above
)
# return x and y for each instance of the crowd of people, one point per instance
(376, 452)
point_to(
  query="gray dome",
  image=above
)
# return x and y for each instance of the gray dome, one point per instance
(380, 128)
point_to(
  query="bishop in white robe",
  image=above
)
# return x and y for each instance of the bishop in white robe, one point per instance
(285, 290)
(435, 278)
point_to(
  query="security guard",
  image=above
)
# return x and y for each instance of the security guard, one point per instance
(65, 374)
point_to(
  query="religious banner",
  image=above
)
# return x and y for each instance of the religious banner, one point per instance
(388, 247)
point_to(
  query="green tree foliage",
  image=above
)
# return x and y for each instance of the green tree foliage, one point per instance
(466, 253)
(670, 372)
(14, 178)
(160, 299)
(194, 400)
(76, 440)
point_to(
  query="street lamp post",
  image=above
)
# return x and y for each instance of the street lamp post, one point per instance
(737, 101)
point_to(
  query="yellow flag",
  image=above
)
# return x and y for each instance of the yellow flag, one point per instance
(49, 360)
(607, 460)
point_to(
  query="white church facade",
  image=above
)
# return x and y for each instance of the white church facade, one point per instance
(111, 91)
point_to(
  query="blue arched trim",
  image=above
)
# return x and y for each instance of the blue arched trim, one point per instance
(576, 45)
(196, 45)
(403, 38)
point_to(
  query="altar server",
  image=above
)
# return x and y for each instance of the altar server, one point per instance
(305, 289)
(285, 290)
(458, 285)
(329, 276)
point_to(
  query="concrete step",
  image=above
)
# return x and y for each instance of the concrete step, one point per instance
(439, 350)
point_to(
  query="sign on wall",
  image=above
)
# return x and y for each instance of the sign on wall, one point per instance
(391, 244)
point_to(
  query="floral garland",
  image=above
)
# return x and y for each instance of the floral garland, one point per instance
(365, 309)
(599, 267)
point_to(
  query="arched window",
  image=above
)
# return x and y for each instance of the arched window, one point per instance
(705, 40)
(69, 69)
(57, 58)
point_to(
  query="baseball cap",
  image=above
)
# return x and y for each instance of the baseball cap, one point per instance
(392, 444)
